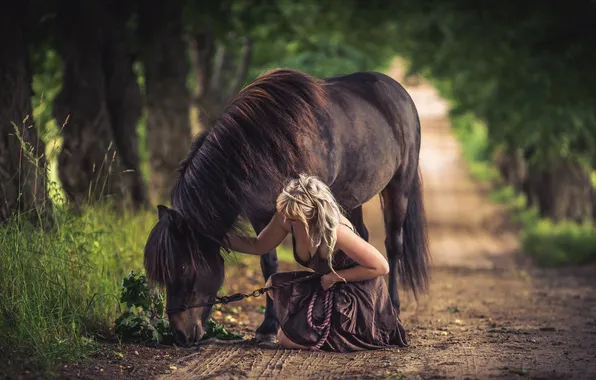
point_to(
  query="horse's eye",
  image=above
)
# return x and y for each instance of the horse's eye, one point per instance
(183, 268)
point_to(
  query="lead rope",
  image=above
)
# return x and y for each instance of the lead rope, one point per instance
(325, 327)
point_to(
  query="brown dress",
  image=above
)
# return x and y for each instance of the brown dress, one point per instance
(359, 315)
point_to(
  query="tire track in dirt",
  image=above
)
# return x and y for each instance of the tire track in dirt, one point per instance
(486, 314)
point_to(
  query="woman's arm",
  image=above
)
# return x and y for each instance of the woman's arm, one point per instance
(371, 262)
(271, 236)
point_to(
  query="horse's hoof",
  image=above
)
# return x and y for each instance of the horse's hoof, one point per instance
(265, 338)
(267, 343)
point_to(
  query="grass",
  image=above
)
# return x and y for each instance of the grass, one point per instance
(59, 288)
(550, 244)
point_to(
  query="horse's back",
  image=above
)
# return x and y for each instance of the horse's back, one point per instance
(382, 93)
(372, 133)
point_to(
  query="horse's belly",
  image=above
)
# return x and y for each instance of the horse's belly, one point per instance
(363, 171)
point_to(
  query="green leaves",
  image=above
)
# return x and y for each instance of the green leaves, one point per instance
(508, 65)
(136, 292)
(143, 321)
(139, 326)
(215, 330)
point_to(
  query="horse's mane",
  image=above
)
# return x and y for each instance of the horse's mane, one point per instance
(253, 147)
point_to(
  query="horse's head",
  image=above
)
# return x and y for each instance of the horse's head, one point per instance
(191, 269)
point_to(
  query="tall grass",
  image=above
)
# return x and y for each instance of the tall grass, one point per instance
(548, 243)
(59, 287)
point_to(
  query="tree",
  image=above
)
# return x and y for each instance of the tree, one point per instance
(22, 161)
(88, 164)
(123, 96)
(165, 59)
(98, 105)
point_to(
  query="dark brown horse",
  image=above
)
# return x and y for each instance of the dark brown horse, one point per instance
(360, 133)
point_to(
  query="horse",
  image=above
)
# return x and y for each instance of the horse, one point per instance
(358, 132)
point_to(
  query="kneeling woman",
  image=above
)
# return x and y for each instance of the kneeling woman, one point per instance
(348, 307)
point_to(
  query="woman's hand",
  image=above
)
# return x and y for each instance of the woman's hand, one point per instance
(328, 280)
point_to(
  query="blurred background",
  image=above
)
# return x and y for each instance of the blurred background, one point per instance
(134, 81)
(100, 100)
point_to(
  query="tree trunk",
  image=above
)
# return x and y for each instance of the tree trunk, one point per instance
(88, 165)
(22, 162)
(123, 99)
(213, 87)
(562, 191)
(512, 168)
(167, 97)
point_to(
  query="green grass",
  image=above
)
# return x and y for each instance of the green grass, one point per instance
(550, 244)
(59, 288)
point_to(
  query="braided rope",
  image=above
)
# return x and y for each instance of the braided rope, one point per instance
(325, 327)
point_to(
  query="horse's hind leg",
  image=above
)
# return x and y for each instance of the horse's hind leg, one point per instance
(358, 221)
(394, 201)
(267, 331)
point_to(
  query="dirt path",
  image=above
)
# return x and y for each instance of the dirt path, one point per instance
(488, 313)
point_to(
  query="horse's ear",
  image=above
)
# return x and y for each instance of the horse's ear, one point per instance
(162, 211)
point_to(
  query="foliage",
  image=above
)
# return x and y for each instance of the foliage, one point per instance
(46, 84)
(564, 243)
(215, 330)
(525, 70)
(519, 78)
(548, 243)
(58, 287)
(322, 38)
(144, 319)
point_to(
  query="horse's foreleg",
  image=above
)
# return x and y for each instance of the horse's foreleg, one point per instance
(358, 221)
(394, 203)
(267, 331)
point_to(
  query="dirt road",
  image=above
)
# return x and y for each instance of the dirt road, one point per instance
(489, 313)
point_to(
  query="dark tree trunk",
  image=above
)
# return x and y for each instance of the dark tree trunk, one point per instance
(562, 191)
(217, 80)
(22, 162)
(164, 55)
(88, 164)
(123, 99)
(512, 168)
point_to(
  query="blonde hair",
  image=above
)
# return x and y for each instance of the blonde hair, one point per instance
(309, 200)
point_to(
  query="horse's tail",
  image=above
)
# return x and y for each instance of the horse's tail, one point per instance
(414, 264)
